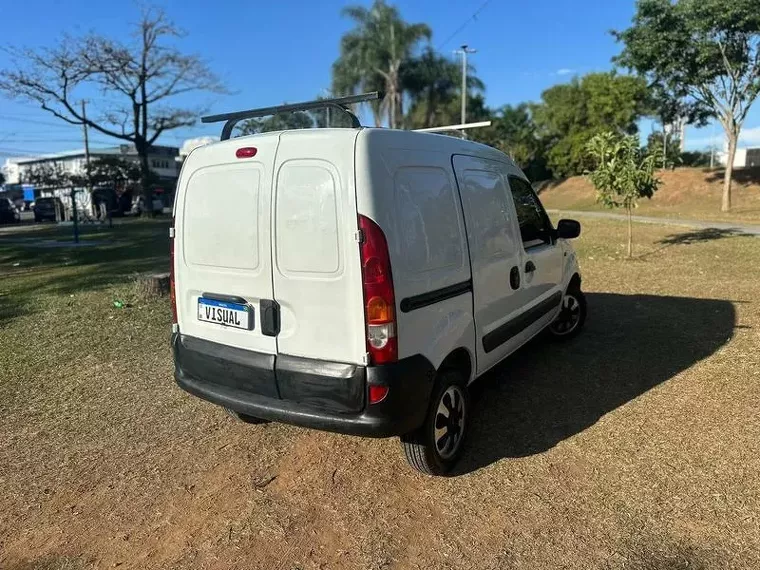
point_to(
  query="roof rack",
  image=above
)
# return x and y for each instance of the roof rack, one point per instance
(341, 103)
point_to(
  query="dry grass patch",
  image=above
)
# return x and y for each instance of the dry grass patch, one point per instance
(688, 193)
(635, 446)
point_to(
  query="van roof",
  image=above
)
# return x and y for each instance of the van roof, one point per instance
(386, 137)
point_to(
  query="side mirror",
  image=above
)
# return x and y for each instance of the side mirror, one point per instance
(568, 229)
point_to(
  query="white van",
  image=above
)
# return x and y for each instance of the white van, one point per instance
(357, 280)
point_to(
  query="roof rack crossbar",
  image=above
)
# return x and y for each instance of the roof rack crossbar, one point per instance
(340, 103)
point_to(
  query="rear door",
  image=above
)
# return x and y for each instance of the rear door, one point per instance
(222, 229)
(316, 268)
(494, 256)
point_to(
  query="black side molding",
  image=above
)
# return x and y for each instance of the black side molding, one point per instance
(499, 336)
(432, 297)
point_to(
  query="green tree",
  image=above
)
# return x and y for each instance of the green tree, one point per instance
(569, 115)
(48, 175)
(278, 122)
(622, 173)
(137, 82)
(114, 171)
(706, 50)
(372, 55)
(696, 158)
(450, 113)
(666, 148)
(2, 178)
(514, 133)
(434, 83)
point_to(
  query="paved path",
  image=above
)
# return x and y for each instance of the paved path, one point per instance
(739, 228)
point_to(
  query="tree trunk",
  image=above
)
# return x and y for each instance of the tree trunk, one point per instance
(429, 109)
(145, 176)
(400, 108)
(393, 77)
(392, 110)
(630, 233)
(725, 205)
(154, 285)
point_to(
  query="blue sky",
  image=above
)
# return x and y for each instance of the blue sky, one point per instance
(271, 52)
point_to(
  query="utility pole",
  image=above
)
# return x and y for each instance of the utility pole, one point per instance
(87, 175)
(464, 51)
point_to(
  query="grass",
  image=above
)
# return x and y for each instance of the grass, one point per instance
(687, 193)
(634, 446)
(32, 270)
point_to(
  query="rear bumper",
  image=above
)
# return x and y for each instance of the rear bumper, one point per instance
(310, 393)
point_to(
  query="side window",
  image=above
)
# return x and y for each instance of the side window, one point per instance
(488, 219)
(426, 208)
(535, 226)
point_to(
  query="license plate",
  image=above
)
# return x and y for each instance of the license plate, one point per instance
(227, 314)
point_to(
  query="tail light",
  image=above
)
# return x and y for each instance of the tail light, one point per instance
(172, 289)
(379, 300)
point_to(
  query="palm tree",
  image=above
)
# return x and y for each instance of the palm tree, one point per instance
(434, 83)
(372, 55)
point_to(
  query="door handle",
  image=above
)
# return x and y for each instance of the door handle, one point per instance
(514, 277)
(530, 267)
(270, 317)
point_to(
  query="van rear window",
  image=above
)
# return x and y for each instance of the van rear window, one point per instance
(307, 218)
(220, 223)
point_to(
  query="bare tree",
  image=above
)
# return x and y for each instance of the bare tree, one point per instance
(135, 81)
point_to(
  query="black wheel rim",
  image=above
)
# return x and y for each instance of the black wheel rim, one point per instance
(448, 427)
(569, 316)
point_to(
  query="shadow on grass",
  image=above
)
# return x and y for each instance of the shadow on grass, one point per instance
(543, 185)
(749, 175)
(548, 392)
(28, 267)
(698, 236)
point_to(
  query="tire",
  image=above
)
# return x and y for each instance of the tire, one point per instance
(571, 317)
(245, 418)
(433, 451)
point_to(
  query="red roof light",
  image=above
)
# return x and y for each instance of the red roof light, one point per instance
(246, 152)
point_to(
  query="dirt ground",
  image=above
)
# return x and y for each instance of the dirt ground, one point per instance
(636, 445)
(690, 193)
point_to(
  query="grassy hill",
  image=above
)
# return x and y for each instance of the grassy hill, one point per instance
(685, 193)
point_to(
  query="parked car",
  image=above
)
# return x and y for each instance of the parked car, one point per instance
(359, 280)
(50, 208)
(9, 214)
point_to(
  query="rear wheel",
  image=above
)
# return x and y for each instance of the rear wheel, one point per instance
(435, 447)
(572, 315)
(245, 417)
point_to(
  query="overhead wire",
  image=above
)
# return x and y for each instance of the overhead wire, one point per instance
(464, 24)
(60, 124)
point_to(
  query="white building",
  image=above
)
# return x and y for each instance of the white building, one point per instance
(744, 157)
(161, 160)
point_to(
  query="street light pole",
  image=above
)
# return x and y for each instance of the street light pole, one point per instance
(87, 174)
(464, 51)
